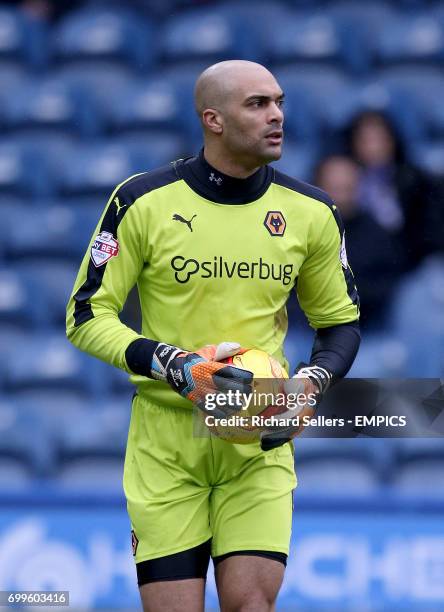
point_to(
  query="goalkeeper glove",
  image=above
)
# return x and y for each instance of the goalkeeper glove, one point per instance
(313, 380)
(196, 374)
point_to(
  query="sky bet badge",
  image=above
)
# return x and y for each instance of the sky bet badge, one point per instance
(104, 247)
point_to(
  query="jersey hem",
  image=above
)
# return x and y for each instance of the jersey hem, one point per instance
(249, 546)
(174, 550)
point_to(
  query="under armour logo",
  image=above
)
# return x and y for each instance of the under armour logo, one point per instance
(179, 218)
(118, 205)
(217, 179)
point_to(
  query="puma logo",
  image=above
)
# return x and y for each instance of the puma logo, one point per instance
(118, 205)
(179, 218)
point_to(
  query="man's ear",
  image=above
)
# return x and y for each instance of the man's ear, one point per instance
(212, 120)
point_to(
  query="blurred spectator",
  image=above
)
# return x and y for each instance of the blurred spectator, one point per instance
(372, 254)
(400, 197)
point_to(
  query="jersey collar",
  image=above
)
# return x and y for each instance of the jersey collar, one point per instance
(221, 188)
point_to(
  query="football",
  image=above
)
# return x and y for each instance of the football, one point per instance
(268, 384)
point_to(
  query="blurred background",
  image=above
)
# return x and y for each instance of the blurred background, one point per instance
(93, 92)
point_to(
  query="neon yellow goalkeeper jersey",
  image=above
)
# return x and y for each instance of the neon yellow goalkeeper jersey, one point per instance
(214, 258)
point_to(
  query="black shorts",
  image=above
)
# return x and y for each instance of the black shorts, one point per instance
(192, 563)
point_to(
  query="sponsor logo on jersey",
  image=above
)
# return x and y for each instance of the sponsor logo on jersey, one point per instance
(104, 247)
(343, 253)
(134, 542)
(219, 267)
(275, 222)
(179, 218)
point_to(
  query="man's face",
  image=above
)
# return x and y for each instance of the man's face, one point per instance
(252, 119)
(339, 178)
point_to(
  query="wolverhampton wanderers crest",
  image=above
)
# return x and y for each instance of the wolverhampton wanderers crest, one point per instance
(275, 222)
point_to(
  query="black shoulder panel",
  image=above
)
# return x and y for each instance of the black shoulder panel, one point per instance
(121, 200)
(304, 188)
(136, 187)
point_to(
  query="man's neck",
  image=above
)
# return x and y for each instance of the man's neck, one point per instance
(227, 165)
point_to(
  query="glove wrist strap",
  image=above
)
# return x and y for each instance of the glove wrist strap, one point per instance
(319, 375)
(162, 356)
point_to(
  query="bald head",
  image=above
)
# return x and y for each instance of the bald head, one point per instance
(218, 83)
(239, 104)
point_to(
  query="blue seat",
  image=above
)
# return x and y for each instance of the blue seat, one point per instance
(424, 86)
(23, 454)
(49, 283)
(297, 160)
(375, 94)
(91, 446)
(22, 38)
(420, 471)
(19, 306)
(50, 105)
(101, 33)
(97, 168)
(418, 318)
(381, 355)
(54, 231)
(317, 37)
(207, 35)
(22, 173)
(45, 362)
(414, 37)
(429, 156)
(338, 467)
(150, 104)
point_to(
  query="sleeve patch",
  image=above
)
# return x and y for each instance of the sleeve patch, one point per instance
(104, 247)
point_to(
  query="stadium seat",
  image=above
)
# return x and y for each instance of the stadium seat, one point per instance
(338, 467)
(424, 86)
(381, 355)
(25, 444)
(101, 33)
(297, 160)
(91, 447)
(420, 470)
(315, 85)
(49, 362)
(19, 305)
(414, 37)
(317, 37)
(22, 38)
(429, 156)
(96, 169)
(22, 173)
(418, 318)
(50, 105)
(58, 231)
(49, 283)
(207, 35)
(153, 104)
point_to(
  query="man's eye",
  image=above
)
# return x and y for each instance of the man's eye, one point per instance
(280, 103)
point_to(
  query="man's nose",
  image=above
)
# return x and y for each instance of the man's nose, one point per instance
(276, 114)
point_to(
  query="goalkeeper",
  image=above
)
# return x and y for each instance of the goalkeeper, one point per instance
(215, 244)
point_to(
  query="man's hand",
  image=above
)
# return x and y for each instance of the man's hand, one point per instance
(195, 374)
(311, 381)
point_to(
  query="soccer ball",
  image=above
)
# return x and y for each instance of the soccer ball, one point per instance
(268, 384)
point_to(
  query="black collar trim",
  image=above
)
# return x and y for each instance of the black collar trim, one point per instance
(221, 188)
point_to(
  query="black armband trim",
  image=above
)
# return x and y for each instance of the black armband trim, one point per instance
(335, 348)
(139, 356)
